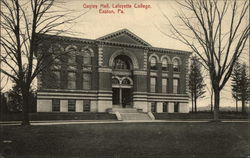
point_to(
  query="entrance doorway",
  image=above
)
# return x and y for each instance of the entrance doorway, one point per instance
(122, 97)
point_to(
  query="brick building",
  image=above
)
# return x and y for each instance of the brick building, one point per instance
(116, 70)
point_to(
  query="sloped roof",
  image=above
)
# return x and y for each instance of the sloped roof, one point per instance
(126, 36)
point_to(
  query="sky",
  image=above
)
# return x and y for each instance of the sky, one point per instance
(149, 24)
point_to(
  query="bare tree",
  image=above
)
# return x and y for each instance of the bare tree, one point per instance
(217, 32)
(21, 24)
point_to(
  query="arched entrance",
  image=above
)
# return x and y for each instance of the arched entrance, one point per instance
(122, 83)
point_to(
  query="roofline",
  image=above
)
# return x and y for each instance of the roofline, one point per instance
(101, 42)
(124, 30)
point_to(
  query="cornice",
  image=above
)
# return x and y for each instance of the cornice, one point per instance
(111, 43)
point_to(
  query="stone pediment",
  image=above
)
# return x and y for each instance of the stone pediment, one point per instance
(124, 36)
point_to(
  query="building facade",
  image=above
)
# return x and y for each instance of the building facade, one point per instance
(119, 70)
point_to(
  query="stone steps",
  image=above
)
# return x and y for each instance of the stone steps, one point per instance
(130, 114)
(125, 110)
(135, 116)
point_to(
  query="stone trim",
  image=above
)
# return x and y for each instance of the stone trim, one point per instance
(115, 72)
(178, 58)
(104, 69)
(139, 72)
(154, 55)
(100, 55)
(164, 75)
(145, 59)
(153, 74)
(167, 57)
(71, 46)
(176, 75)
(73, 91)
(127, 53)
(67, 97)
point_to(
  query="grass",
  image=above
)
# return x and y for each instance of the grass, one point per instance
(59, 116)
(106, 116)
(127, 140)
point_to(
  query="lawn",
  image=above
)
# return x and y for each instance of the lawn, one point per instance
(127, 140)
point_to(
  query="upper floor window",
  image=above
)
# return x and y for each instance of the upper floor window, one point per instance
(72, 56)
(176, 65)
(121, 62)
(176, 85)
(153, 84)
(86, 81)
(164, 85)
(71, 80)
(86, 58)
(153, 63)
(164, 64)
(56, 78)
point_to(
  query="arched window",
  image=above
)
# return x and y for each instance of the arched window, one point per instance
(86, 58)
(165, 64)
(176, 65)
(115, 81)
(125, 81)
(153, 63)
(72, 56)
(121, 62)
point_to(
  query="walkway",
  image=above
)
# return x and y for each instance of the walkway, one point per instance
(65, 122)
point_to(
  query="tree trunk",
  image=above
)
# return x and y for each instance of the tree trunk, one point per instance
(212, 94)
(216, 104)
(236, 104)
(195, 104)
(192, 100)
(243, 100)
(25, 110)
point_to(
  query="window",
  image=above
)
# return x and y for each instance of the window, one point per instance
(56, 61)
(176, 85)
(165, 106)
(121, 62)
(71, 80)
(86, 59)
(72, 56)
(56, 79)
(153, 63)
(164, 64)
(176, 107)
(164, 85)
(86, 81)
(176, 65)
(71, 105)
(55, 105)
(86, 105)
(115, 81)
(153, 107)
(153, 84)
(126, 81)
